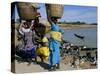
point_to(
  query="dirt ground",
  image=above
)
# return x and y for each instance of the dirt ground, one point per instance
(26, 67)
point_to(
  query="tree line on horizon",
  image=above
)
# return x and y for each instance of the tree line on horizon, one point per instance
(77, 22)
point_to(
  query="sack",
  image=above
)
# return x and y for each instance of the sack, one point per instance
(56, 35)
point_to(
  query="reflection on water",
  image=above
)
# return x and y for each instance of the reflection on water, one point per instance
(90, 36)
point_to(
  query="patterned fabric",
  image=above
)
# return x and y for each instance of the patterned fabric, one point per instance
(29, 46)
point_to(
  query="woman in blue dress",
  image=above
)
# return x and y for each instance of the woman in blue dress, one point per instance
(54, 45)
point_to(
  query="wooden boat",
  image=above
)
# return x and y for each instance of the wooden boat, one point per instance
(79, 36)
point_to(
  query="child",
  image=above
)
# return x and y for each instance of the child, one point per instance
(43, 51)
(29, 48)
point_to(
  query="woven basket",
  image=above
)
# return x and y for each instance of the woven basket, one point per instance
(26, 11)
(54, 10)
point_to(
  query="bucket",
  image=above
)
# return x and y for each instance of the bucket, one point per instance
(54, 10)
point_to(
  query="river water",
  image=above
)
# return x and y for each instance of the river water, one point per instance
(90, 37)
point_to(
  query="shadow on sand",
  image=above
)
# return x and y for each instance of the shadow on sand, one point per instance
(20, 59)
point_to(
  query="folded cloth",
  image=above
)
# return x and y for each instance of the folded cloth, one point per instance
(56, 35)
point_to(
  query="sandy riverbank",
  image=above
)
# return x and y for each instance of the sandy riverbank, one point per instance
(77, 26)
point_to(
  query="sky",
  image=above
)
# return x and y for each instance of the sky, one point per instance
(72, 13)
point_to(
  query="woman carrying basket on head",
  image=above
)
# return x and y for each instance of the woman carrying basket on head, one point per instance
(54, 44)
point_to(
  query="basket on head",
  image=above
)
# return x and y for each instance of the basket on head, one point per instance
(54, 10)
(26, 10)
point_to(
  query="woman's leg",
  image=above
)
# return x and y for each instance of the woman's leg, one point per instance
(52, 62)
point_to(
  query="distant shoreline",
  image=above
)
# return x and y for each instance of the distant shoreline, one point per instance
(71, 26)
(78, 26)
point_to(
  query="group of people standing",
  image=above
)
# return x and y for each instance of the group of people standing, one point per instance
(29, 30)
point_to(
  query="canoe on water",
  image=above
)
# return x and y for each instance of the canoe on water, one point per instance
(79, 36)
